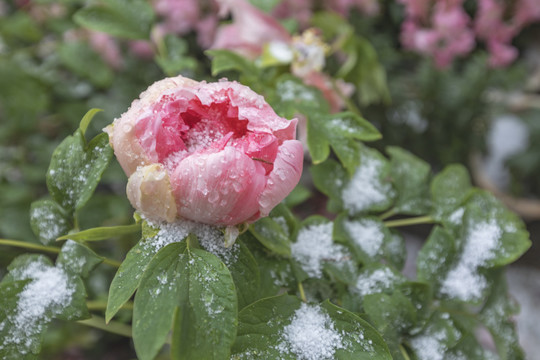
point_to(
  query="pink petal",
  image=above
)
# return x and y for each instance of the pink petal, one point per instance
(284, 177)
(220, 188)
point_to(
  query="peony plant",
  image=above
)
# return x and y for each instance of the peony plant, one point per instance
(234, 250)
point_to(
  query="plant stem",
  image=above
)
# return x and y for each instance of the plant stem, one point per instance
(410, 221)
(48, 249)
(387, 214)
(302, 293)
(404, 352)
(102, 305)
(32, 246)
(112, 327)
(111, 262)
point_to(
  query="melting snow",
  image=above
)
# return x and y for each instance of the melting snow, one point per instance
(365, 188)
(366, 233)
(376, 281)
(46, 295)
(463, 281)
(210, 237)
(314, 246)
(311, 335)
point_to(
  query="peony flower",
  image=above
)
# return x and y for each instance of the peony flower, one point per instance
(214, 153)
(250, 30)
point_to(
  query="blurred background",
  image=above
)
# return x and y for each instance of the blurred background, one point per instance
(452, 81)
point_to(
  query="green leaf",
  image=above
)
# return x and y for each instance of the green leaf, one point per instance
(48, 220)
(329, 178)
(317, 141)
(128, 276)
(367, 236)
(78, 259)
(497, 315)
(225, 60)
(87, 118)
(437, 337)
(130, 19)
(292, 96)
(410, 176)
(349, 125)
(85, 62)
(76, 168)
(284, 328)
(391, 314)
(246, 276)
(192, 291)
(265, 5)
(436, 257)
(347, 151)
(369, 189)
(33, 294)
(284, 217)
(449, 189)
(272, 236)
(102, 233)
(513, 238)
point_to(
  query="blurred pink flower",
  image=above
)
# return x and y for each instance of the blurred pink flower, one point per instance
(368, 7)
(107, 47)
(142, 48)
(250, 30)
(301, 10)
(444, 35)
(214, 153)
(334, 96)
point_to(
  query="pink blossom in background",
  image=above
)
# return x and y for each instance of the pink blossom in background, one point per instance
(444, 34)
(323, 82)
(301, 10)
(344, 7)
(417, 9)
(250, 30)
(107, 47)
(214, 153)
(142, 49)
(498, 22)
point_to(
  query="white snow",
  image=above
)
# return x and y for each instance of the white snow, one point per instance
(464, 281)
(365, 188)
(314, 246)
(46, 295)
(429, 346)
(210, 237)
(367, 234)
(375, 282)
(311, 335)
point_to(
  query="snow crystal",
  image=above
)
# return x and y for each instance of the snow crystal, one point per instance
(311, 335)
(210, 237)
(46, 295)
(457, 216)
(314, 246)
(429, 346)
(463, 281)
(375, 282)
(366, 233)
(341, 125)
(365, 188)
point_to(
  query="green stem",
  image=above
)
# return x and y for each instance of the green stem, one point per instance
(94, 305)
(112, 327)
(410, 221)
(48, 249)
(404, 352)
(32, 246)
(351, 106)
(302, 293)
(387, 214)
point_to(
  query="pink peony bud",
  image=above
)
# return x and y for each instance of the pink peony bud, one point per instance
(214, 153)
